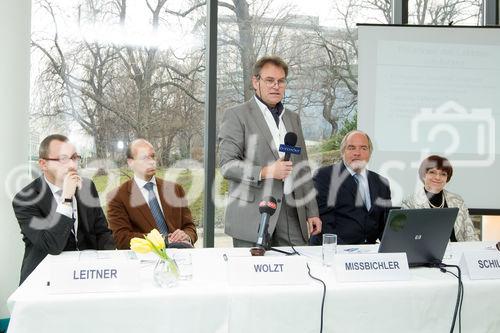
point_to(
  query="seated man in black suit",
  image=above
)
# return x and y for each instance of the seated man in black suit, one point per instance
(353, 202)
(59, 211)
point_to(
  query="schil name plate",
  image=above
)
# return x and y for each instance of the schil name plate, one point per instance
(371, 267)
(253, 271)
(103, 275)
(481, 265)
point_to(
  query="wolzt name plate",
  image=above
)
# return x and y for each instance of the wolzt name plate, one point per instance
(103, 275)
(480, 265)
(252, 271)
(371, 267)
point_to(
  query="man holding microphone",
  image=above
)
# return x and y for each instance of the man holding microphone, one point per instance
(249, 140)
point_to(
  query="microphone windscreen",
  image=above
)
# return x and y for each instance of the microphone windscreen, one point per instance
(268, 205)
(290, 139)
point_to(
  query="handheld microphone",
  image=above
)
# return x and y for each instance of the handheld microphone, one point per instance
(290, 140)
(289, 147)
(267, 207)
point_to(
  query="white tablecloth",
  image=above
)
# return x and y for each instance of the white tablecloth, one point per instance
(209, 304)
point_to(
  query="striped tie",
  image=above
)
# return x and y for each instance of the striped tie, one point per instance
(156, 210)
(363, 190)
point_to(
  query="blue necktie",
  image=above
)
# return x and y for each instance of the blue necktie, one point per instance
(363, 190)
(155, 209)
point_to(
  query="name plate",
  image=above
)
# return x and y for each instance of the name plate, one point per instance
(371, 267)
(252, 271)
(481, 265)
(103, 275)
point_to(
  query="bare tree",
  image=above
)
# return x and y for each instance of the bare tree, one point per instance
(115, 92)
(82, 98)
(431, 12)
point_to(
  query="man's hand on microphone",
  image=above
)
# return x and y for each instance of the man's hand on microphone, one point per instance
(314, 225)
(278, 170)
(71, 181)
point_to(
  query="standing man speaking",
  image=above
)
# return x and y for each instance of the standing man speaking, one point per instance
(249, 140)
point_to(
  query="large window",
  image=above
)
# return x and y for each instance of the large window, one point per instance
(445, 12)
(319, 42)
(107, 72)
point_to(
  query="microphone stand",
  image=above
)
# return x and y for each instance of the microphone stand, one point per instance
(260, 250)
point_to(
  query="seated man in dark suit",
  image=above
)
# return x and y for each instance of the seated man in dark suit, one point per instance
(353, 202)
(59, 211)
(146, 202)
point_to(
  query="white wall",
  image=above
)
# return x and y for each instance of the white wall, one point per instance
(14, 104)
(491, 228)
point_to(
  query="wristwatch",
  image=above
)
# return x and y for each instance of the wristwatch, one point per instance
(67, 201)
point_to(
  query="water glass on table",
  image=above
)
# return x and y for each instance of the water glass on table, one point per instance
(185, 264)
(329, 249)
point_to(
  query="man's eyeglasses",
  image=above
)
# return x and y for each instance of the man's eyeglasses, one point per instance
(270, 82)
(145, 158)
(65, 159)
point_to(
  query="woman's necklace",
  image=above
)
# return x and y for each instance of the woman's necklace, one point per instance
(441, 205)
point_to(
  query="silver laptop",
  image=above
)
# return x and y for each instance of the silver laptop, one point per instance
(422, 233)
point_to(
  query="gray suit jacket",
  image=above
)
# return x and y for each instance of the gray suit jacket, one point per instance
(464, 229)
(245, 146)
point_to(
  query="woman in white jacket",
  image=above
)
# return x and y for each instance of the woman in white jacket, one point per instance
(435, 172)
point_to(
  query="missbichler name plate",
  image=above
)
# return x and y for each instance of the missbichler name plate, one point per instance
(371, 267)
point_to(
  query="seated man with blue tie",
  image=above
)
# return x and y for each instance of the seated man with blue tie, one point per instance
(353, 201)
(146, 202)
(59, 211)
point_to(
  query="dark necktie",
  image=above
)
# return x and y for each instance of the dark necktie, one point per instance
(154, 206)
(276, 115)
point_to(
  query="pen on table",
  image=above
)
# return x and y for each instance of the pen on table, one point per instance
(352, 249)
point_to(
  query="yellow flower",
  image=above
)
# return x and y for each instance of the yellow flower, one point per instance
(153, 242)
(155, 237)
(140, 245)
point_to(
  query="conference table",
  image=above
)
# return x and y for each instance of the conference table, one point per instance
(208, 303)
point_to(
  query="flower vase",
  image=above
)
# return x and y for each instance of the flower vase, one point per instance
(166, 273)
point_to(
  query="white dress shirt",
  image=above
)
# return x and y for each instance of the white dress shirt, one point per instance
(278, 133)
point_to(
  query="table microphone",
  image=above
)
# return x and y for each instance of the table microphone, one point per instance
(267, 207)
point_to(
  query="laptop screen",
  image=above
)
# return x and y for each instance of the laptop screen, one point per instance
(422, 233)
